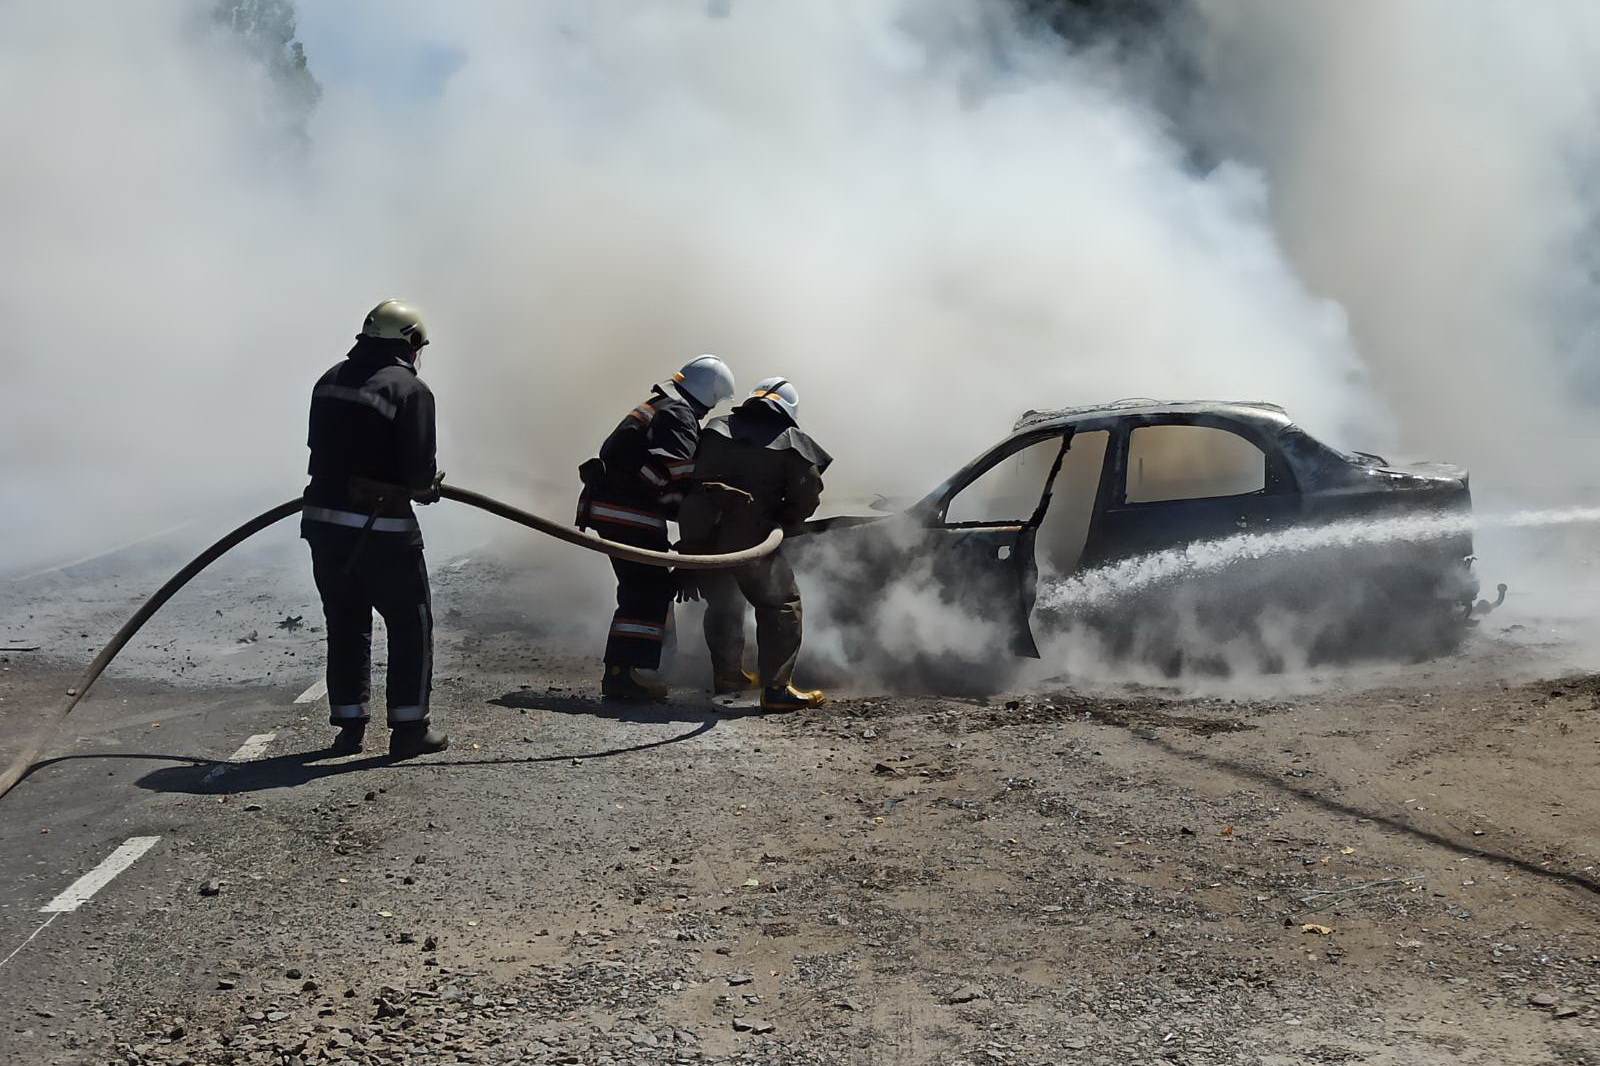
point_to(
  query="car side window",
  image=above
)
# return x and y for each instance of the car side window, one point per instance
(1008, 492)
(1183, 462)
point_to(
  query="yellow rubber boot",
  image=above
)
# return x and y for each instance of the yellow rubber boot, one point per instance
(743, 681)
(790, 698)
(628, 683)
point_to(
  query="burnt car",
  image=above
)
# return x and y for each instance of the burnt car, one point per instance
(1084, 498)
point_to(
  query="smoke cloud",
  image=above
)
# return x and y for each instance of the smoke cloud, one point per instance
(928, 219)
(1433, 169)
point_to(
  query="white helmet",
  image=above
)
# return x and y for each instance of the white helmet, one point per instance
(707, 380)
(778, 394)
(396, 320)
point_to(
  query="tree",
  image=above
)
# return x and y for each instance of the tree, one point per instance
(267, 30)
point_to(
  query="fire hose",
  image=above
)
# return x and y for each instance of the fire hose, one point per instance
(19, 766)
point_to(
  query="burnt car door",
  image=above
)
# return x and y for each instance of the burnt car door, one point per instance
(981, 528)
(1174, 480)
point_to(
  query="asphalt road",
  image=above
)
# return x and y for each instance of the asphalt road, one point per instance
(64, 824)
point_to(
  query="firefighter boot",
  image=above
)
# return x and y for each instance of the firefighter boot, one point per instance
(407, 740)
(630, 683)
(347, 741)
(789, 698)
(732, 684)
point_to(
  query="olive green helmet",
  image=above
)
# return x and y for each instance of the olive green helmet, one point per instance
(396, 320)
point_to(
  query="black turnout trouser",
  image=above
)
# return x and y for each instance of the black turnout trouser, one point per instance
(355, 576)
(769, 586)
(718, 518)
(644, 596)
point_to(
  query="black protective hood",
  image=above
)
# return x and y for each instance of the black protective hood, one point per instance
(383, 349)
(755, 422)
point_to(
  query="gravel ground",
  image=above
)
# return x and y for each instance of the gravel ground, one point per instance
(1398, 867)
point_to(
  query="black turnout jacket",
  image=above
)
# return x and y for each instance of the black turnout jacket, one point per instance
(755, 471)
(649, 457)
(372, 439)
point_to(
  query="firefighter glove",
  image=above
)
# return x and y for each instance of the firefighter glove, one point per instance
(431, 493)
(688, 585)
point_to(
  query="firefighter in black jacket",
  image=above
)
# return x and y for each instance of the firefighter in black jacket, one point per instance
(756, 471)
(372, 454)
(630, 491)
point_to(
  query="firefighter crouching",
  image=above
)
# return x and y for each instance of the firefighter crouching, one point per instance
(755, 472)
(630, 492)
(372, 454)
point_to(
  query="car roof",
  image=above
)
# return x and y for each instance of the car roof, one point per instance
(1258, 412)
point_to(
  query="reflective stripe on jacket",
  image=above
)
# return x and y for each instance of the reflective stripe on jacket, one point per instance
(649, 457)
(372, 439)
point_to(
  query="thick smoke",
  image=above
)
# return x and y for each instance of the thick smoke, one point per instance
(1433, 168)
(927, 219)
(929, 215)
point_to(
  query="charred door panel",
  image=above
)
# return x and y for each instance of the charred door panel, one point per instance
(989, 573)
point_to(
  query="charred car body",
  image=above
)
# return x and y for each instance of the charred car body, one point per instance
(1075, 492)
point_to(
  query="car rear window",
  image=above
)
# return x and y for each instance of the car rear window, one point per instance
(1183, 462)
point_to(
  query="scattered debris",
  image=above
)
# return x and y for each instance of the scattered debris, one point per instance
(1312, 902)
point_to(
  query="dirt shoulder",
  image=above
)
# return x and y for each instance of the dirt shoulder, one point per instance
(1406, 875)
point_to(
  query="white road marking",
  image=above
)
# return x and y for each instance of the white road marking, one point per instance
(101, 554)
(314, 693)
(83, 889)
(253, 748)
(42, 927)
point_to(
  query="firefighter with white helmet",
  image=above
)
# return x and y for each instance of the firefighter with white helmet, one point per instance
(631, 490)
(372, 443)
(755, 471)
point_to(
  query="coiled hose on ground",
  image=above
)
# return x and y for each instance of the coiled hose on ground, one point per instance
(18, 768)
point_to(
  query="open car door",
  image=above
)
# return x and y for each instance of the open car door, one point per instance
(981, 529)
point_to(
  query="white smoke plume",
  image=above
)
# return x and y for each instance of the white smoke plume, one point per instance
(926, 218)
(1433, 168)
